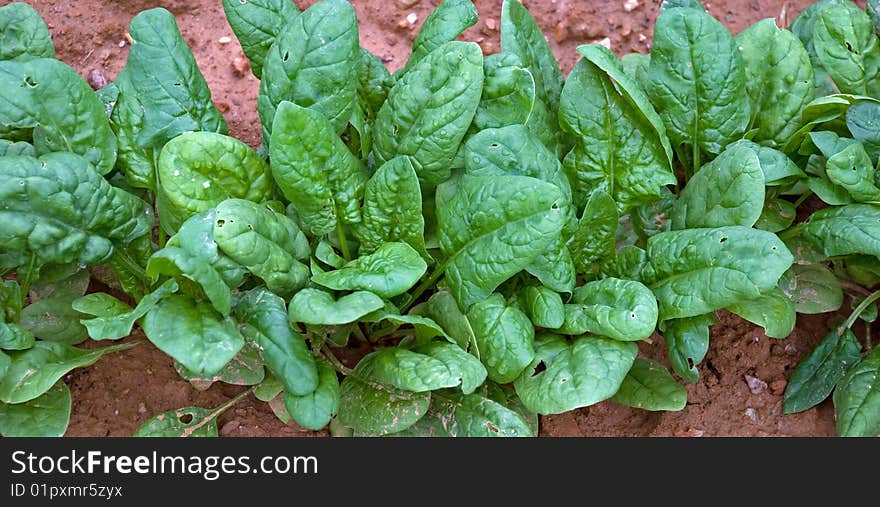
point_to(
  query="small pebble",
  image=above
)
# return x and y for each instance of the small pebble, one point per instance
(751, 414)
(756, 385)
(142, 409)
(491, 24)
(121, 44)
(97, 79)
(240, 66)
(224, 40)
(630, 5)
(411, 18)
(690, 432)
(605, 42)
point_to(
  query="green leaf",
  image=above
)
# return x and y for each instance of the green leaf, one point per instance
(553, 267)
(649, 386)
(269, 388)
(424, 328)
(521, 35)
(182, 422)
(620, 309)
(374, 81)
(697, 271)
(778, 169)
(852, 169)
(622, 146)
(812, 287)
(847, 48)
(193, 333)
(576, 373)
(469, 371)
(34, 371)
(543, 306)
(368, 406)
(245, 369)
(727, 191)
(267, 243)
(863, 121)
(45, 416)
(630, 262)
(113, 318)
(14, 337)
(504, 336)
(198, 170)
(313, 63)
(687, 341)
(594, 239)
(389, 271)
(777, 215)
(443, 309)
(778, 78)
(817, 373)
(773, 311)
(872, 7)
(315, 409)
(23, 34)
(491, 228)
(12, 149)
(54, 319)
(429, 110)
(393, 208)
(446, 22)
(845, 230)
(162, 73)
(453, 414)
(315, 170)
(256, 24)
(507, 397)
(314, 306)
(508, 93)
(414, 371)
(137, 163)
(284, 350)
(16, 103)
(696, 80)
(863, 269)
(857, 399)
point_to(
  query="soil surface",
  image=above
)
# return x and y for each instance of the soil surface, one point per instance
(117, 394)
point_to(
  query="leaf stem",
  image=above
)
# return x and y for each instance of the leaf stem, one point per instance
(385, 331)
(229, 404)
(343, 242)
(859, 309)
(696, 148)
(134, 267)
(337, 364)
(427, 284)
(359, 333)
(28, 278)
(800, 200)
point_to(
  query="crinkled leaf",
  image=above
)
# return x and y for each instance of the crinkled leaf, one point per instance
(315, 409)
(284, 350)
(845, 230)
(620, 309)
(453, 414)
(265, 242)
(773, 311)
(863, 121)
(504, 336)
(412, 371)
(315, 170)
(649, 386)
(727, 191)
(696, 80)
(446, 22)
(16, 103)
(113, 318)
(368, 406)
(389, 271)
(467, 368)
(594, 238)
(314, 306)
(256, 24)
(847, 48)
(857, 399)
(12, 149)
(543, 306)
(45, 416)
(778, 79)
(193, 333)
(429, 110)
(23, 34)
(778, 169)
(622, 146)
(162, 73)
(14, 337)
(490, 228)
(313, 63)
(508, 93)
(697, 271)
(812, 288)
(630, 263)
(777, 215)
(817, 373)
(575, 373)
(443, 309)
(392, 208)
(198, 170)
(245, 369)
(852, 169)
(34, 371)
(687, 341)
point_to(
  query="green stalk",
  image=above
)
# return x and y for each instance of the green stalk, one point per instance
(337, 364)
(427, 284)
(859, 309)
(26, 285)
(134, 267)
(800, 200)
(343, 242)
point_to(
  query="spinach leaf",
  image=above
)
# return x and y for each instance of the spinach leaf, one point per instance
(256, 24)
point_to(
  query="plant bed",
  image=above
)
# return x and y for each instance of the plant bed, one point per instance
(728, 398)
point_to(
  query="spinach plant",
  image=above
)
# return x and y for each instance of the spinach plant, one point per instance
(498, 237)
